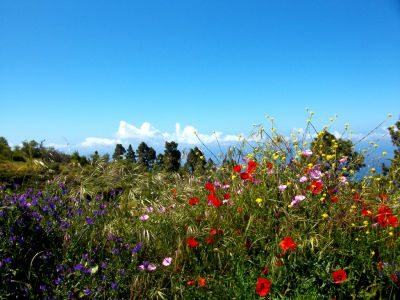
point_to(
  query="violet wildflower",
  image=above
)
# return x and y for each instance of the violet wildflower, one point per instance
(137, 247)
(89, 221)
(167, 261)
(144, 217)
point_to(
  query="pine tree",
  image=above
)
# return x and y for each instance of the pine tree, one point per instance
(146, 155)
(172, 157)
(195, 162)
(130, 154)
(119, 152)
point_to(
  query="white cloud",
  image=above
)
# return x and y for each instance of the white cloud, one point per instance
(94, 141)
(126, 131)
(185, 135)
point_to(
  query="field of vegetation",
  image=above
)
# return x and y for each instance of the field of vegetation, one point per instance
(286, 220)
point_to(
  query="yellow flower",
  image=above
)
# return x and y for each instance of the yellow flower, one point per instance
(233, 177)
(325, 215)
(365, 223)
(372, 252)
(259, 200)
(390, 233)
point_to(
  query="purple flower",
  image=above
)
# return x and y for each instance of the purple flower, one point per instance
(58, 280)
(114, 285)
(315, 174)
(89, 221)
(103, 265)
(79, 267)
(137, 248)
(87, 291)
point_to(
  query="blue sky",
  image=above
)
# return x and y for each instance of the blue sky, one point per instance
(92, 73)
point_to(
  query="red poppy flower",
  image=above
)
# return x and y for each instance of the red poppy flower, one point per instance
(237, 231)
(357, 197)
(194, 201)
(237, 168)
(227, 196)
(316, 187)
(263, 286)
(214, 200)
(209, 186)
(191, 242)
(339, 276)
(213, 231)
(244, 175)
(202, 281)
(366, 213)
(265, 270)
(287, 243)
(240, 210)
(380, 265)
(382, 196)
(394, 278)
(210, 241)
(269, 166)
(251, 166)
(385, 217)
(334, 199)
(190, 282)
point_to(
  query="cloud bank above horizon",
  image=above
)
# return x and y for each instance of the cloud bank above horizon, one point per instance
(187, 135)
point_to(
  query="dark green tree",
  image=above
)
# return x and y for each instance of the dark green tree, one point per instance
(119, 152)
(172, 157)
(106, 158)
(160, 161)
(326, 143)
(31, 149)
(95, 157)
(146, 155)
(77, 158)
(195, 162)
(130, 154)
(210, 164)
(5, 150)
(394, 169)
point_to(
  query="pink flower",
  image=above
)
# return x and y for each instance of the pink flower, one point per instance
(151, 267)
(144, 217)
(282, 187)
(307, 153)
(315, 174)
(297, 199)
(167, 261)
(343, 160)
(303, 179)
(141, 268)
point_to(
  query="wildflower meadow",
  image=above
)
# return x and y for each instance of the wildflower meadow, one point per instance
(278, 218)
